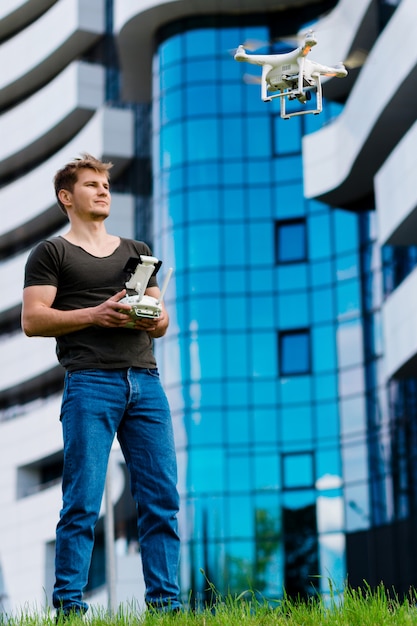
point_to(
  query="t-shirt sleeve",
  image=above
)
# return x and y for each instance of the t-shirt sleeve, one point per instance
(42, 266)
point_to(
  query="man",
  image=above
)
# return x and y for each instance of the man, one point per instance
(73, 288)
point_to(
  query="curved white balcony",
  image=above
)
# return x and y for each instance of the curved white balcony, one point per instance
(400, 329)
(23, 358)
(39, 510)
(26, 527)
(40, 51)
(43, 437)
(15, 14)
(11, 279)
(136, 21)
(341, 159)
(350, 28)
(27, 558)
(396, 194)
(70, 100)
(121, 221)
(109, 135)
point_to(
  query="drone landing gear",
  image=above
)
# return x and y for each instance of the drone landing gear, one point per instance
(302, 96)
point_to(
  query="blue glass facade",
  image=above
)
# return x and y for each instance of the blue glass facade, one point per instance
(265, 360)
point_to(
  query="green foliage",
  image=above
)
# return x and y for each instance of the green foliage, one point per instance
(353, 607)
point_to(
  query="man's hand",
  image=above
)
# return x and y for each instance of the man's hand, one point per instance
(110, 314)
(156, 326)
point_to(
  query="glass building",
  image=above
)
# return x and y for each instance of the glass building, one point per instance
(270, 369)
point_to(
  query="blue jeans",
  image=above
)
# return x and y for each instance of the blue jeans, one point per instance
(96, 406)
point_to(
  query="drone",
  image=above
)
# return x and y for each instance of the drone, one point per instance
(292, 75)
(140, 272)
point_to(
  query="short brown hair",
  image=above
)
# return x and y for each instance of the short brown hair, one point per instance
(66, 177)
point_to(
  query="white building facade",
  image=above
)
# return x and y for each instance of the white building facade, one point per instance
(82, 76)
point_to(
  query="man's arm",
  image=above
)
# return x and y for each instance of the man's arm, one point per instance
(41, 320)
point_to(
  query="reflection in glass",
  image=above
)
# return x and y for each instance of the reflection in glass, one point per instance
(263, 360)
(237, 422)
(171, 106)
(202, 150)
(286, 139)
(293, 310)
(200, 42)
(350, 343)
(352, 416)
(348, 299)
(357, 507)
(321, 273)
(301, 564)
(351, 381)
(296, 425)
(347, 267)
(319, 236)
(195, 69)
(200, 100)
(294, 276)
(295, 390)
(325, 387)
(322, 305)
(327, 422)
(324, 349)
(258, 136)
(332, 563)
(203, 204)
(206, 470)
(170, 51)
(266, 472)
(345, 231)
(290, 202)
(298, 470)
(355, 462)
(330, 518)
(206, 428)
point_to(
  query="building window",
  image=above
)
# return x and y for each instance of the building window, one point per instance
(290, 241)
(294, 352)
(40, 475)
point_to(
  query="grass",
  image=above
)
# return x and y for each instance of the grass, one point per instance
(360, 607)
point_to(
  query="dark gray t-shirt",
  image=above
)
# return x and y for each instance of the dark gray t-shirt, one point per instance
(83, 280)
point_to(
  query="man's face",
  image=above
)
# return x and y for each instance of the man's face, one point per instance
(90, 197)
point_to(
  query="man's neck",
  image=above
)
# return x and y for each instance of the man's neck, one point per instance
(93, 238)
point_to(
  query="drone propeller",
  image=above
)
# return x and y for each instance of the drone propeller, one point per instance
(255, 44)
(251, 44)
(356, 59)
(294, 40)
(251, 79)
